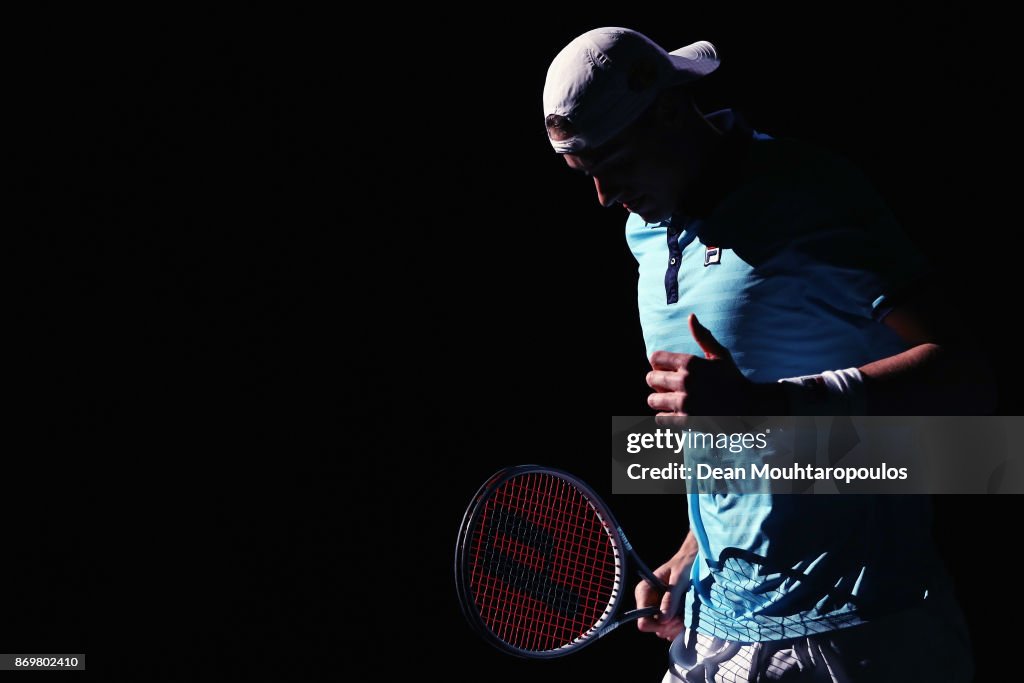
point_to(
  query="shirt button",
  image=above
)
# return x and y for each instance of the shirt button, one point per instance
(672, 262)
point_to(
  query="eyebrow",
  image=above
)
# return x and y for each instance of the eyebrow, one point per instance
(604, 159)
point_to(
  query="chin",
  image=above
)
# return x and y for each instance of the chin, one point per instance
(654, 216)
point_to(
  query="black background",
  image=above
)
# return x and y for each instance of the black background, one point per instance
(294, 285)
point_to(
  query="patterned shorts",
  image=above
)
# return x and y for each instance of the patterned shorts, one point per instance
(925, 643)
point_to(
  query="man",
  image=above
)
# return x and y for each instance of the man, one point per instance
(772, 280)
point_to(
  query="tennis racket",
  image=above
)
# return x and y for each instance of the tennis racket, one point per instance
(540, 564)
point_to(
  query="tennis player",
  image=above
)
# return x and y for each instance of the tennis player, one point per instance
(773, 280)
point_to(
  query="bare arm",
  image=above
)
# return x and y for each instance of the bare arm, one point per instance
(936, 376)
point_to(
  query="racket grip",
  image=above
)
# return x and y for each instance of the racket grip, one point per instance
(632, 616)
(645, 612)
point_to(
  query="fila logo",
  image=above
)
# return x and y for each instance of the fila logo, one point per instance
(712, 255)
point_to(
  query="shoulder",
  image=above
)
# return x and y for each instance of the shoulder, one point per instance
(791, 187)
(801, 198)
(808, 171)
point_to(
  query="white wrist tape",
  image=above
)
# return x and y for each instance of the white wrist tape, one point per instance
(833, 392)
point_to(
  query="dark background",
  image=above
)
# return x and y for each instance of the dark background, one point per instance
(292, 286)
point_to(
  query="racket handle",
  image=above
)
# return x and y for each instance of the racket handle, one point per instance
(631, 616)
(647, 575)
(640, 613)
(676, 590)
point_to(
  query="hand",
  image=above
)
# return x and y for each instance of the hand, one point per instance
(671, 573)
(713, 385)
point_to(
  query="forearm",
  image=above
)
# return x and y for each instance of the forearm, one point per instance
(688, 550)
(929, 379)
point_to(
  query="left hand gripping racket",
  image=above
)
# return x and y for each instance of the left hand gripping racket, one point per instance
(541, 564)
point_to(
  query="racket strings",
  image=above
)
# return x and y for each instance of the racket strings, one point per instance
(544, 570)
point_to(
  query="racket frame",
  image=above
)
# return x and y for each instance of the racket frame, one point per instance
(624, 552)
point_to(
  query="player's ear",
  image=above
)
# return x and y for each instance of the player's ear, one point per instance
(673, 105)
(665, 111)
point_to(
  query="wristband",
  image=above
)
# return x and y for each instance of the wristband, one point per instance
(833, 392)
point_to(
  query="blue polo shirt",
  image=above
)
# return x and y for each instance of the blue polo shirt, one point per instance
(792, 269)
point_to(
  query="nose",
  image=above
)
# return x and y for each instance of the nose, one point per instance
(607, 193)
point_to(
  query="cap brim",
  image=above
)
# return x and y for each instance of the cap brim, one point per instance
(694, 61)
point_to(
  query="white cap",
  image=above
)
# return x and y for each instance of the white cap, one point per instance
(604, 79)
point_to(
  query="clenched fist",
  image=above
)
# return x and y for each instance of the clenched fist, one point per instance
(690, 385)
